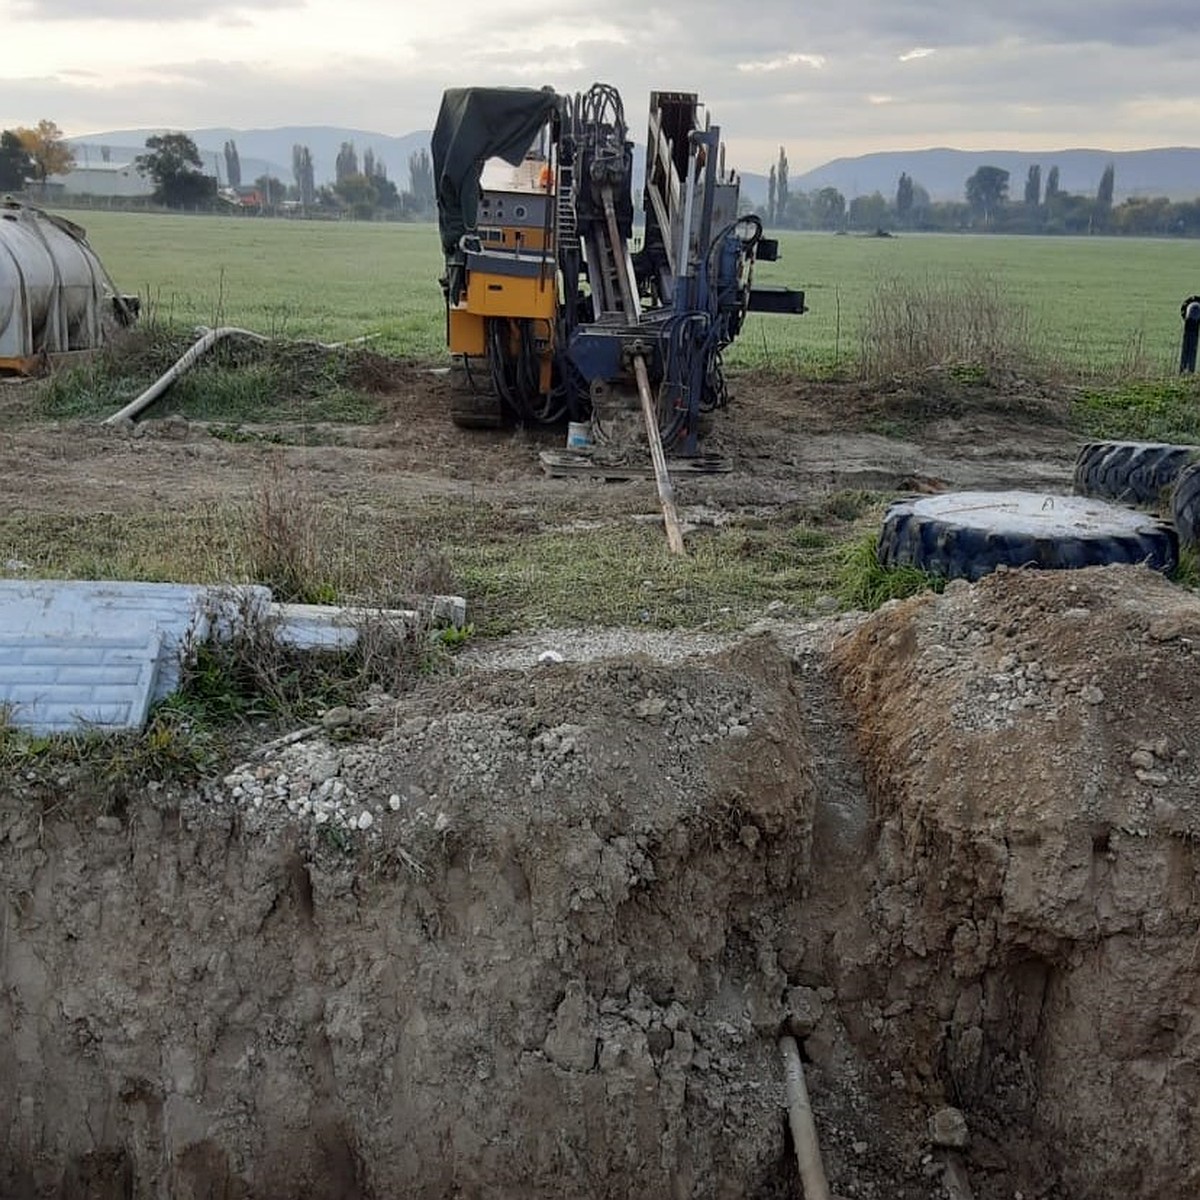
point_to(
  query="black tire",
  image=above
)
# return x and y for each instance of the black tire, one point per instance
(1131, 472)
(1185, 507)
(966, 535)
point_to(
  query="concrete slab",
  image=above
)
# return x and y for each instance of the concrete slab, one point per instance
(64, 684)
(86, 653)
(329, 627)
(84, 610)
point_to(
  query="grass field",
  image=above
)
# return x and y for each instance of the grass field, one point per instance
(1101, 304)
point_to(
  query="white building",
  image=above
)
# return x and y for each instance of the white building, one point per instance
(102, 179)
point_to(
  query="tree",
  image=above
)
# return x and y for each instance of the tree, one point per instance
(45, 146)
(904, 196)
(16, 166)
(420, 180)
(771, 209)
(272, 190)
(987, 190)
(302, 172)
(347, 162)
(1033, 186)
(387, 195)
(233, 164)
(829, 209)
(799, 213)
(1104, 193)
(359, 193)
(368, 163)
(781, 185)
(1052, 190)
(868, 212)
(174, 163)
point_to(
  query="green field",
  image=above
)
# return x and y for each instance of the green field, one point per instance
(1101, 303)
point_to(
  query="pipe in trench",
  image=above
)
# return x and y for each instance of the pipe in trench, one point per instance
(800, 1118)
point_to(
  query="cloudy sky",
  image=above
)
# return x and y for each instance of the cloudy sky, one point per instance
(825, 79)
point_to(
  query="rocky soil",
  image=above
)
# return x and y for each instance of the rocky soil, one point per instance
(1032, 756)
(535, 929)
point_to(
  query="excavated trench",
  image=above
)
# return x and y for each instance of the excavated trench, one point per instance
(949, 847)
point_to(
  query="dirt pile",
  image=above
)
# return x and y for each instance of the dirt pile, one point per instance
(1033, 760)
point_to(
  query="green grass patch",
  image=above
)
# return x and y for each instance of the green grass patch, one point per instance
(864, 583)
(1090, 305)
(1153, 410)
(1187, 570)
(172, 748)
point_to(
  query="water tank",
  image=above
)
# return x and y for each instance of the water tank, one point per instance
(53, 293)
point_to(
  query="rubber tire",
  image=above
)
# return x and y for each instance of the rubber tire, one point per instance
(1139, 473)
(925, 533)
(1185, 507)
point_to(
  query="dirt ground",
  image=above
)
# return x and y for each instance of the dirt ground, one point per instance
(785, 440)
(949, 847)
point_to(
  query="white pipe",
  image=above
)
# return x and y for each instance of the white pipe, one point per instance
(800, 1118)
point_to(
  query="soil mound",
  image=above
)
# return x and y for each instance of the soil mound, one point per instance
(1033, 761)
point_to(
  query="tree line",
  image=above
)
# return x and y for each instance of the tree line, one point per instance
(361, 187)
(987, 206)
(173, 163)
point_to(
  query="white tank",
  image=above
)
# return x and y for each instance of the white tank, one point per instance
(53, 296)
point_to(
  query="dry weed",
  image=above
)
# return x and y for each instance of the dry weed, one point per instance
(909, 327)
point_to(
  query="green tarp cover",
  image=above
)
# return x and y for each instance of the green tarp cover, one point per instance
(473, 125)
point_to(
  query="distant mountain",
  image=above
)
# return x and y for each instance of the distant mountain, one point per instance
(1172, 172)
(266, 151)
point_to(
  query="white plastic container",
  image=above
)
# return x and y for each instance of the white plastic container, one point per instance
(52, 294)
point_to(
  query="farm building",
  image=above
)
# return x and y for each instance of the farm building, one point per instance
(102, 179)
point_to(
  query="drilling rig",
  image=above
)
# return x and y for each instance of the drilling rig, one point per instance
(551, 313)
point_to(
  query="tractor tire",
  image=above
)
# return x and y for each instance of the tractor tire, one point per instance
(966, 535)
(1185, 507)
(1131, 472)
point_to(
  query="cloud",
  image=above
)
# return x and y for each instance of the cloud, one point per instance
(816, 61)
(1030, 73)
(143, 10)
